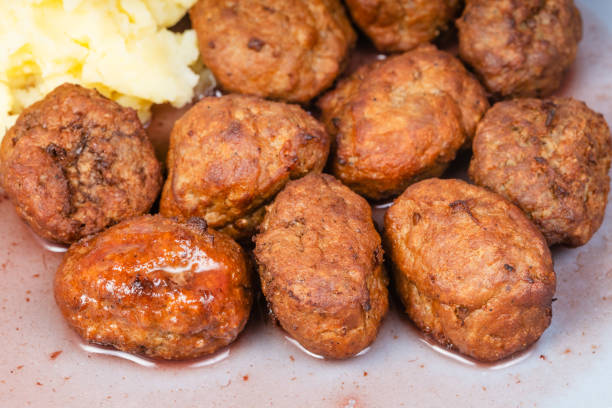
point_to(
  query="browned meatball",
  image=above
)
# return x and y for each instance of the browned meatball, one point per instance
(281, 49)
(400, 25)
(401, 120)
(520, 48)
(320, 264)
(551, 158)
(76, 162)
(470, 268)
(229, 157)
(156, 287)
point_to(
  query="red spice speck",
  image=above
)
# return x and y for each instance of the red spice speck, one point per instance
(542, 357)
(567, 351)
(36, 275)
(54, 355)
(27, 299)
(38, 383)
(291, 358)
(245, 378)
(365, 373)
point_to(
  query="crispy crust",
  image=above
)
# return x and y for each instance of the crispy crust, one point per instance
(470, 268)
(400, 25)
(76, 162)
(229, 157)
(401, 120)
(137, 287)
(289, 50)
(520, 48)
(320, 264)
(551, 158)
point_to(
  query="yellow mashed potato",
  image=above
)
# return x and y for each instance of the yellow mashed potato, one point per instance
(120, 47)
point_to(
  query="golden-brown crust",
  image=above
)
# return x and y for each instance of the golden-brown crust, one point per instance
(400, 25)
(401, 120)
(520, 48)
(156, 287)
(320, 264)
(75, 163)
(470, 268)
(288, 50)
(550, 157)
(229, 156)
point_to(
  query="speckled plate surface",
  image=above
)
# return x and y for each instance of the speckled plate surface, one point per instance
(43, 363)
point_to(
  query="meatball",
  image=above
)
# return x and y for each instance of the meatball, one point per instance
(321, 266)
(400, 25)
(520, 48)
(157, 287)
(401, 120)
(75, 163)
(470, 268)
(551, 158)
(229, 157)
(289, 50)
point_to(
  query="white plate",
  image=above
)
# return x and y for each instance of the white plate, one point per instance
(570, 366)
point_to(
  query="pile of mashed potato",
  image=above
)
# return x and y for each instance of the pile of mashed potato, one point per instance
(120, 47)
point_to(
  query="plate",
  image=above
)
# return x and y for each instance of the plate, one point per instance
(44, 364)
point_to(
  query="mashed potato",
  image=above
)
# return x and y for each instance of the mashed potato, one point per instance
(121, 47)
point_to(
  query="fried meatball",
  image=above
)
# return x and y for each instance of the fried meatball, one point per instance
(520, 48)
(75, 163)
(400, 25)
(470, 268)
(157, 287)
(401, 120)
(289, 50)
(320, 264)
(551, 158)
(229, 157)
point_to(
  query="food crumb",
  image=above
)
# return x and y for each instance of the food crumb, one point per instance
(542, 357)
(291, 358)
(36, 275)
(422, 366)
(293, 378)
(245, 377)
(38, 383)
(19, 367)
(365, 373)
(567, 351)
(27, 299)
(484, 388)
(55, 354)
(395, 337)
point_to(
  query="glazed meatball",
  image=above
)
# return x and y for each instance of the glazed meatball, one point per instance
(550, 157)
(470, 268)
(520, 48)
(400, 25)
(320, 264)
(401, 120)
(229, 157)
(157, 287)
(75, 163)
(289, 50)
